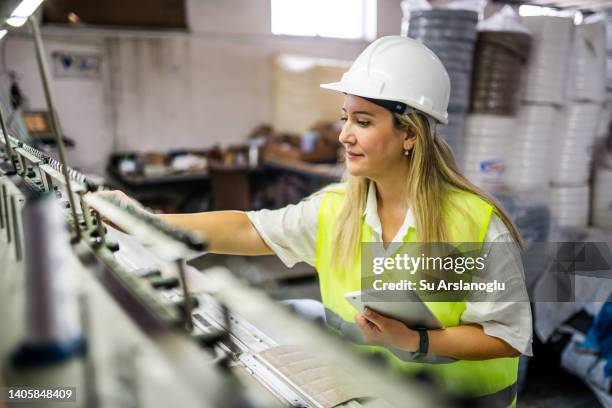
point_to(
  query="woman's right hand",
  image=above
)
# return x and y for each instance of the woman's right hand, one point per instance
(121, 197)
(227, 232)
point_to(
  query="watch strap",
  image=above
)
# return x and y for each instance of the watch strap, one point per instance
(423, 341)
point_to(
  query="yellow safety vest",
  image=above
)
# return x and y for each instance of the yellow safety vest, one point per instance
(492, 383)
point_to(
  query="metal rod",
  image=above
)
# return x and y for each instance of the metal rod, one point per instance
(7, 142)
(2, 209)
(6, 213)
(85, 212)
(90, 375)
(44, 73)
(100, 229)
(187, 301)
(16, 231)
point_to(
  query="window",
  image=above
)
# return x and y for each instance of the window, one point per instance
(354, 19)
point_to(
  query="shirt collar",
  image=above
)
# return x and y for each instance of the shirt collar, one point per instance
(371, 209)
(371, 215)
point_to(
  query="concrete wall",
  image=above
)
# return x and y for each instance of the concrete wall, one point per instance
(168, 90)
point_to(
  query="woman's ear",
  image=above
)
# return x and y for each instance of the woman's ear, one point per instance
(409, 140)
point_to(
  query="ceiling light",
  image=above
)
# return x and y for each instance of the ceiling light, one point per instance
(23, 11)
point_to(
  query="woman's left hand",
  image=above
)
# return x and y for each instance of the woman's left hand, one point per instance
(378, 329)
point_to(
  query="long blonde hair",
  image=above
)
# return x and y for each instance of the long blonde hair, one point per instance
(433, 173)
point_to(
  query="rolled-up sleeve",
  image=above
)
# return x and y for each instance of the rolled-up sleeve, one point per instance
(508, 315)
(291, 231)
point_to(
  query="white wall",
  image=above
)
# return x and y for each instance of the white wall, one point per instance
(83, 105)
(168, 90)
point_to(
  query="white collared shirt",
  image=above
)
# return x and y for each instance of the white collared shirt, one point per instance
(291, 232)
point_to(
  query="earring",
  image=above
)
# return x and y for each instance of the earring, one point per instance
(407, 152)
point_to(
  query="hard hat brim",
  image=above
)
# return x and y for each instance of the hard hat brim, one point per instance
(349, 89)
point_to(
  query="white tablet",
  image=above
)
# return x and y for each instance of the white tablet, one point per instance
(409, 309)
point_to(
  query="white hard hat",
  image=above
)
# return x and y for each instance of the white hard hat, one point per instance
(399, 69)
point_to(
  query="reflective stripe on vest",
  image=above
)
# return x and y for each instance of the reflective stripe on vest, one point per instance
(490, 381)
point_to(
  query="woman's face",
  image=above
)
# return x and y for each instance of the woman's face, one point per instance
(374, 147)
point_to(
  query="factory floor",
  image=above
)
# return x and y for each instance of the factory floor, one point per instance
(546, 385)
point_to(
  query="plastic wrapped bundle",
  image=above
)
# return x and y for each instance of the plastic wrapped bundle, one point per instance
(486, 139)
(608, 22)
(604, 119)
(609, 68)
(528, 163)
(498, 64)
(609, 47)
(451, 35)
(530, 212)
(570, 205)
(588, 64)
(549, 60)
(443, 24)
(453, 135)
(456, 56)
(573, 142)
(602, 198)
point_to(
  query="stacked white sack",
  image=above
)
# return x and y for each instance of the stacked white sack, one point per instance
(549, 60)
(570, 205)
(602, 197)
(587, 78)
(486, 140)
(573, 143)
(529, 148)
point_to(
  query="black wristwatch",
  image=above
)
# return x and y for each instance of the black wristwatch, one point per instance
(423, 341)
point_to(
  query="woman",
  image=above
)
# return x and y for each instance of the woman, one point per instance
(402, 185)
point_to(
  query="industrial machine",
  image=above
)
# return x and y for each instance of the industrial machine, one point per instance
(122, 320)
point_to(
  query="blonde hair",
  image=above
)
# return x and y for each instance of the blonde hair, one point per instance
(433, 173)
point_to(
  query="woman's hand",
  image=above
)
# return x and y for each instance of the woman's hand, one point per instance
(228, 232)
(123, 198)
(120, 196)
(384, 331)
(463, 342)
